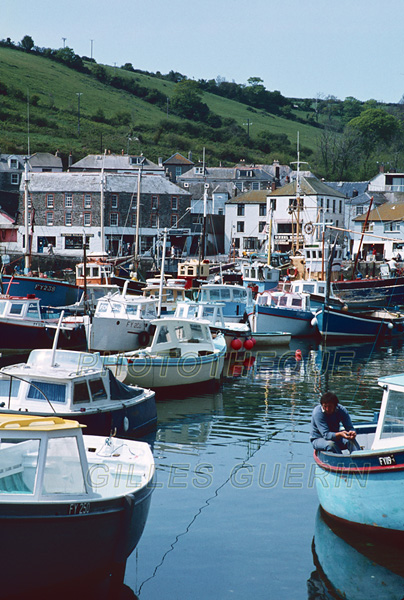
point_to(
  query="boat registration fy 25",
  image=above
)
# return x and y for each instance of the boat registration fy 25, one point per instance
(80, 508)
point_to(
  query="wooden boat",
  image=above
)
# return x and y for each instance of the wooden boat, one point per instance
(99, 271)
(76, 385)
(366, 488)
(336, 323)
(24, 326)
(50, 291)
(182, 352)
(283, 311)
(71, 506)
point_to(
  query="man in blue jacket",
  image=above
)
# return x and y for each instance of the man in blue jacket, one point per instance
(325, 426)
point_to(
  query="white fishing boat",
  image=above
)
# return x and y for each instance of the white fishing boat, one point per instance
(71, 506)
(212, 312)
(76, 385)
(167, 294)
(182, 352)
(121, 322)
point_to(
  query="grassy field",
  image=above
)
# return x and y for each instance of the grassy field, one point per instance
(54, 119)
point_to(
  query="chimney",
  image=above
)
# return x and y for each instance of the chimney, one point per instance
(160, 161)
(70, 160)
(273, 186)
(57, 153)
(190, 155)
(381, 168)
(354, 193)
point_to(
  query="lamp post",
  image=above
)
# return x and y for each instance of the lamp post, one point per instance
(78, 111)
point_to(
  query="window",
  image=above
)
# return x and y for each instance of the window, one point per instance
(263, 210)
(49, 218)
(15, 178)
(178, 171)
(321, 204)
(134, 218)
(328, 203)
(333, 206)
(340, 206)
(174, 203)
(74, 242)
(87, 219)
(220, 211)
(49, 200)
(359, 210)
(43, 390)
(113, 219)
(69, 200)
(68, 218)
(87, 200)
(155, 202)
(153, 220)
(62, 451)
(261, 226)
(240, 210)
(114, 201)
(97, 389)
(199, 170)
(14, 164)
(174, 220)
(392, 226)
(240, 226)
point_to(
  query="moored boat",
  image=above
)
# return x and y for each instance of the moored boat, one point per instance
(336, 323)
(366, 488)
(71, 506)
(76, 385)
(182, 352)
(283, 311)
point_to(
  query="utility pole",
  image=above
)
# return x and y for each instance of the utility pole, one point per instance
(248, 128)
(78, 111)
(64, 42)
(91, 53)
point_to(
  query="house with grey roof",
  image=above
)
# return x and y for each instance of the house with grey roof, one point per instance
(176, 165)
(383, 230)
(63, 207)
(116, 163)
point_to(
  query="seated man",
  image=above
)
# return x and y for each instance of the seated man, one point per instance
(325, 426)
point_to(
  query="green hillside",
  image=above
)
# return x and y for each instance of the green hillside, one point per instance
(52, 89)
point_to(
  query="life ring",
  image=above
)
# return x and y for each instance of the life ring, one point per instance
(144, 338)
(292, 271)
(308, 228)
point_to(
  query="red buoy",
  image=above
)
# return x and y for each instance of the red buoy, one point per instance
(298, 355)
(248, 344)
(236, 344)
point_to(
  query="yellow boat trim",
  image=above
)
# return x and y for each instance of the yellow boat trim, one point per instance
(31, 422)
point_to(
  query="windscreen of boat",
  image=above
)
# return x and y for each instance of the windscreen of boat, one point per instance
(44, 390)
(63, 472)
(18, 465)
(9, 387)
(393, 422)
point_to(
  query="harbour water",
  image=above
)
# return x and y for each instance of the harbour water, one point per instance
(235, 511)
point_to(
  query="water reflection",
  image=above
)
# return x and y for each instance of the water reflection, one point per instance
(352, 566)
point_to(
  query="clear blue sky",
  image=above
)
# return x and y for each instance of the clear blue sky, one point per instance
(303, 48)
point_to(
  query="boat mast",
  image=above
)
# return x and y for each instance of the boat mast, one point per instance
(27, 258)
(203, 231)
(163, 258)
(102, 225)
(271, 214)
(136, 251)
(362, 236)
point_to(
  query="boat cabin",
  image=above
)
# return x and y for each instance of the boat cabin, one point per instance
(24, 308)
(193, 269)
(118, 305)
(288, 300)
(96, 272)
(176, 337)
(62, 381)
(35, 455)
(260, 274)
(390, 425)
(205, 311)
(225, 293)
(173, 290)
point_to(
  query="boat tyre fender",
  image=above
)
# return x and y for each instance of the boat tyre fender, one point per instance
(144, 338)
(292, 271)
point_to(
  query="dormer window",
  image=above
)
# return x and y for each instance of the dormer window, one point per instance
(136, 160)
(199, 170)
(14, 163)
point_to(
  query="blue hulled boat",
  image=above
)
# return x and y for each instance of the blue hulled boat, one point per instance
(335, 322)
(366, 487)
(51, 292)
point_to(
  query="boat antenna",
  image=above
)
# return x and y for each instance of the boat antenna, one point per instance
(56, 338)
(102, 226)
(27, 258)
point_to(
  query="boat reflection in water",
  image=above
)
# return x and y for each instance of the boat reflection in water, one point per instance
(353, 566)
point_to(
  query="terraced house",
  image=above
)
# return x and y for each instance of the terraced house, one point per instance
(65, 207)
